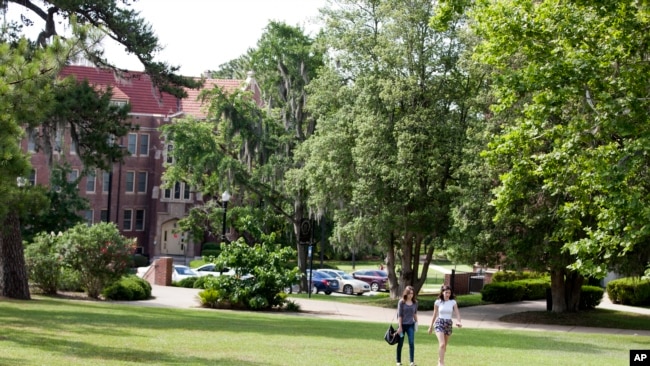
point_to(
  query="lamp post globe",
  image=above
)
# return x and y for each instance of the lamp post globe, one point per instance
(225, 197)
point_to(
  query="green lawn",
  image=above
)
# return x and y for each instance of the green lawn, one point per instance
(54, 332)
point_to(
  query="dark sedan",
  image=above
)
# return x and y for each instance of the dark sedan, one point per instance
(322, 282)
(377, 279)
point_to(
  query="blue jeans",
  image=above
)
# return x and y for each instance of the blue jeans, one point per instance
(409, 330)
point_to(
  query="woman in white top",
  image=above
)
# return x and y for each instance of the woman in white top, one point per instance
(443, 310)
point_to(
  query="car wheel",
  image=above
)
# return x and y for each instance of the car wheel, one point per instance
(374, 286)
(314, 290)
(328, 292)
(347, 289)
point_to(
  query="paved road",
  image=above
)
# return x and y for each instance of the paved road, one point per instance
(485, 316)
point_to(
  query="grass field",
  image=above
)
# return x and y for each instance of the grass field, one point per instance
(58, 332)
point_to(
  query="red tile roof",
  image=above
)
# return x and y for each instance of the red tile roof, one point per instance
(193, 106)
(145, 98)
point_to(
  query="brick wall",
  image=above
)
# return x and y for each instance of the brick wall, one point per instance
(468, 282)
(163, 268)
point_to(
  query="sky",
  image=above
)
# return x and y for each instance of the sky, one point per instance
(199, 35)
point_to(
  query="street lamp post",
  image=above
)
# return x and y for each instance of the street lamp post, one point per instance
(225, 197)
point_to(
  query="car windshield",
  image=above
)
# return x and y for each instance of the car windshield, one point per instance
(346, 276)
(183, 270)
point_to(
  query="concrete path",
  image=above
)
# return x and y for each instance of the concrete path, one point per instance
(485, 316)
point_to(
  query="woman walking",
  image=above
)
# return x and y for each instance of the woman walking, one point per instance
(441, 321)
(407, 317)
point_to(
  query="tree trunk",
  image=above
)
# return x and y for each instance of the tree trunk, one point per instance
(565, 290)
(302, 249)
(390, 268)
(13, 274)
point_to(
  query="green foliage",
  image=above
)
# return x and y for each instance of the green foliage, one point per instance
(188, 282)
(128, 288)
(43, 263)
(210, 298)
(502, 292)
(260, 278)
(140, 260)
(64, 203)
(590, 297)
(70, 280)
(509, 276)
(98, 252)
(629, 291)
(200, 282)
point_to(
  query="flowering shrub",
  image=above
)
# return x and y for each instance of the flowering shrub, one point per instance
(43, 264)
(99, 253)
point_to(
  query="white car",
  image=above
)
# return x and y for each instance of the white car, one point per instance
(182, 272)
(347, 284)
(210, 269)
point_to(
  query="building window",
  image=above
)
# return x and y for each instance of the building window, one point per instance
(31, 141)
(73, 147)
(73, 175)
(139, 220)
(88, 217)
(106, 178)
(130, 182)
(90, 182)
(127, 218)
(144, 145)
(177, 191)
(58, 141)
(170, 148)
(103, 215)
(132, 139)
(142, 182)
(180, 191)
(32, 177)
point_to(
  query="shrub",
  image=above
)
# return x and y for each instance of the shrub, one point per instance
(128, 288)
(140, 260)
(200, 281)
(629, 291)
(509, 276)
(265, 263)
(590, 297)
(292, 306)
(70, 280)
(98, 252)
(210, 298)
(43, 264)
(187, 282)
(535, 288)
(502, 292)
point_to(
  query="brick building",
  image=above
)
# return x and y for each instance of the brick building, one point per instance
(130, 195)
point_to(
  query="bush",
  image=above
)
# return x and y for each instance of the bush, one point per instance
(186, 282)
(210, 298)
(265, 263)
(70, 280)
(502, 292)
(629, 291)
(590, 297)
(43, 264)
(535, 288)
(509, 276)
(98, 252)
(129, 288)
(200, 281)
(140, 260)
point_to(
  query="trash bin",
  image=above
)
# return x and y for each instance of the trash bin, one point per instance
(476, 283)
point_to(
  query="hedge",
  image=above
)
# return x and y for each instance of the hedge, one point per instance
(629, 291)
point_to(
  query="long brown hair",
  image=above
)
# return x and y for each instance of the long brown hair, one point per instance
(442, 295)
(408, 289)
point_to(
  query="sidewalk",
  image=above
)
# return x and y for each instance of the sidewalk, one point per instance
(484, 316)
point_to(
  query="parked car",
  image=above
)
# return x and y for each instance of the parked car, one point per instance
(347, 284)
(182, 272)
(323, 282)
(377, 279)
(211, 269)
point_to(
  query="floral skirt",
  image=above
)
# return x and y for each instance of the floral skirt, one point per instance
(444, 326)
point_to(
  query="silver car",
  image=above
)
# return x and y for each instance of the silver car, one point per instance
(347, 284)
